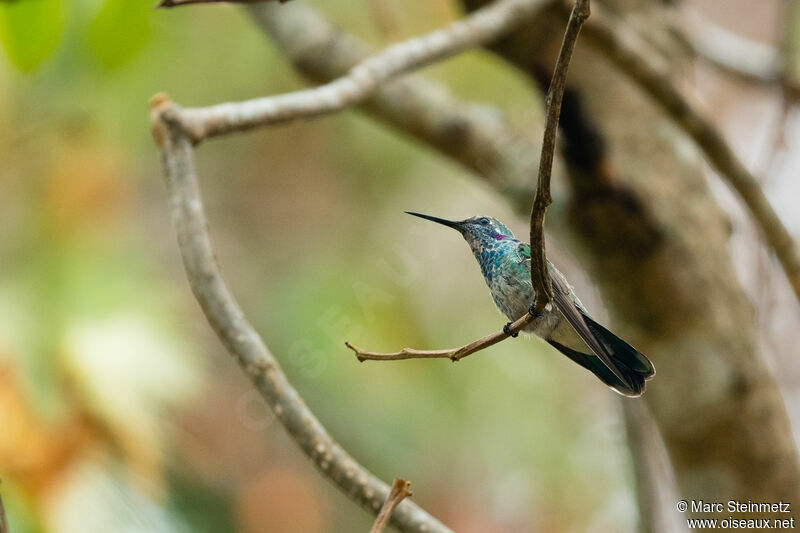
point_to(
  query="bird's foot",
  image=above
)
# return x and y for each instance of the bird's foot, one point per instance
(532, 310)
(507, 331)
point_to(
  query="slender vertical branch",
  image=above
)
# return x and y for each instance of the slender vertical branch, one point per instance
(398, 493)
(540, 277)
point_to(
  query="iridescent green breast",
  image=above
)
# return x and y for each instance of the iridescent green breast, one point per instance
(507, 274)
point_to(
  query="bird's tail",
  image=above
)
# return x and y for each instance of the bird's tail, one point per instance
(630, 363)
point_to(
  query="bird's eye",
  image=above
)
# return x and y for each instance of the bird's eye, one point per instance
(483, 220)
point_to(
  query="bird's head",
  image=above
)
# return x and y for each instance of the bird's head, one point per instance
(480, 231)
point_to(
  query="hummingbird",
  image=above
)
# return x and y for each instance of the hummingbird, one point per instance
(565, 323)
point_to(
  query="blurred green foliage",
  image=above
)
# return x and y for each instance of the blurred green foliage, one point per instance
(118, 31)
(30, 30)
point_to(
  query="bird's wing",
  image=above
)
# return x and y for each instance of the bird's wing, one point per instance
(576, 318)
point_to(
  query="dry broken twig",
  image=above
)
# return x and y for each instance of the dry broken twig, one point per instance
(400, 491)
(539, 271)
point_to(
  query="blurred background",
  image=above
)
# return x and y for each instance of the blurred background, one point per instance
(120, 410)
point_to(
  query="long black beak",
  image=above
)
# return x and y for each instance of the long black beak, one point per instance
(442, 221)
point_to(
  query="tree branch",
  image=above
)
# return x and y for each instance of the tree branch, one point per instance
(540, 275)
(400, 491)
(454, 354)
(743, 58)
(477, 137)
(361, 81)
(613, 39)
(242, 341)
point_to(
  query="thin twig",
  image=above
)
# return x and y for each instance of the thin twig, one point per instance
(362, 80)
(540, 276)
(613, 39)
(454, 354)
(400, 491)
(243, 342)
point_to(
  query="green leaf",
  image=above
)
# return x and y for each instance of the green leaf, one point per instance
(119, 31)
(29, 30)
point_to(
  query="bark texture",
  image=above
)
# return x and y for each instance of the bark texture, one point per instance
(655, 242)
